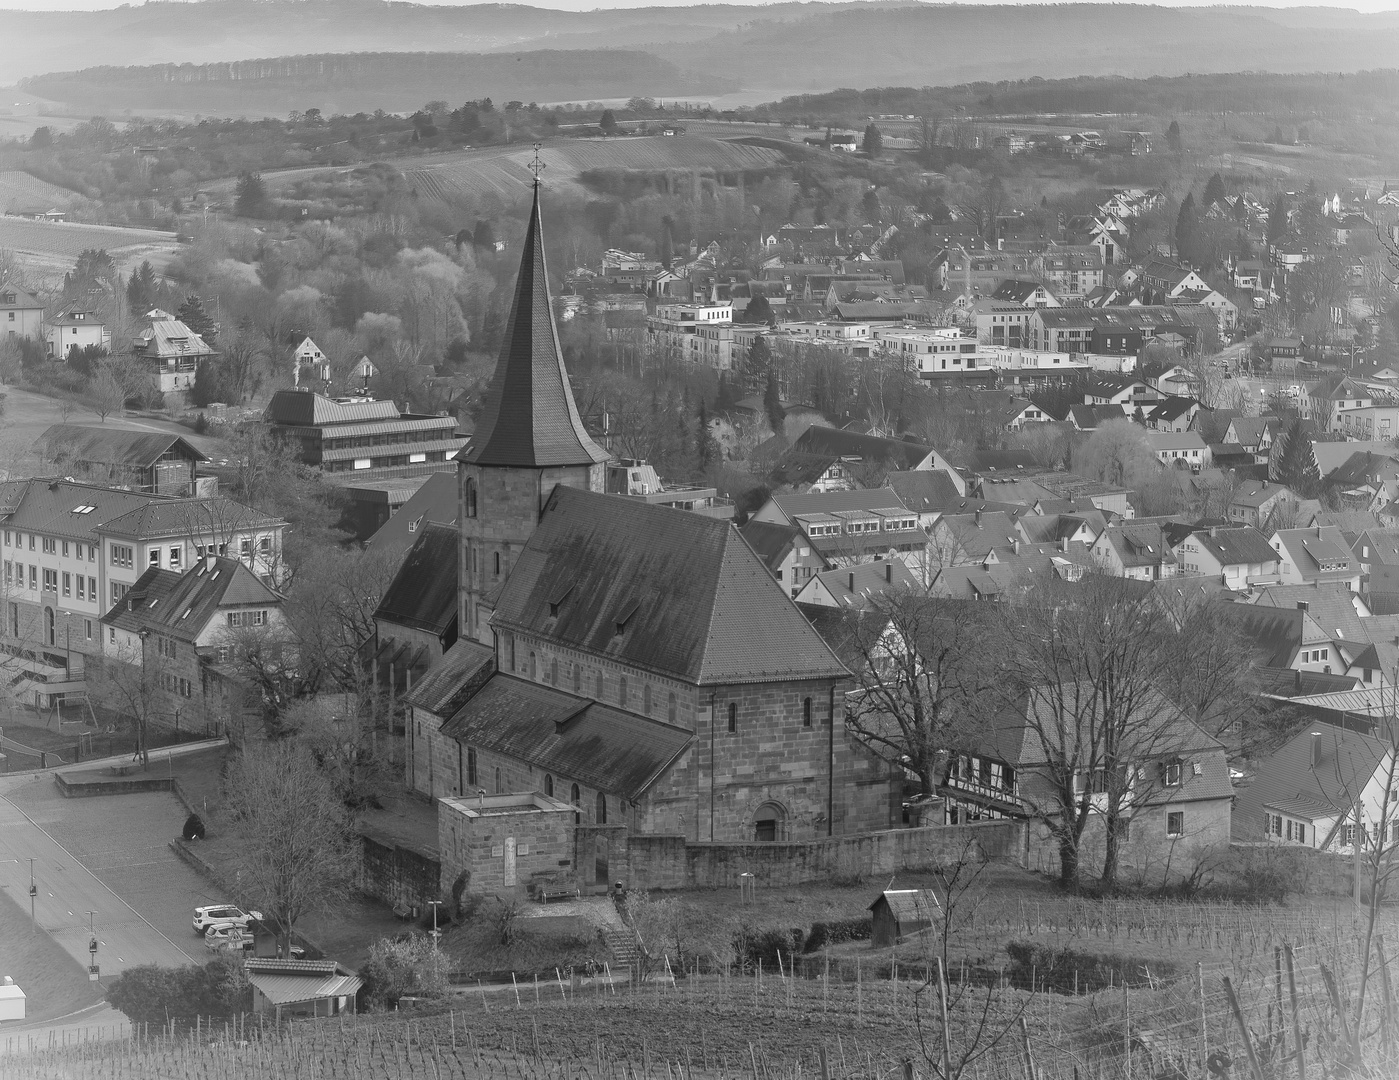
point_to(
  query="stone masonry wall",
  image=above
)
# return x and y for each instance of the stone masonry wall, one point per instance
(477, 847)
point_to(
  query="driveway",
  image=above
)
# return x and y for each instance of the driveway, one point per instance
(106, 855)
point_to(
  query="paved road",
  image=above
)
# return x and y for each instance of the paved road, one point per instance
(67, 890)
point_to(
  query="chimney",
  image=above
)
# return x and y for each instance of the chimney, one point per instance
(1214, 532)
(852, 581)
(978, 517)
(209, 562)
(1296, 681)
(1015, 545)
(1316, 749)
(889, 571)
(1063, 543)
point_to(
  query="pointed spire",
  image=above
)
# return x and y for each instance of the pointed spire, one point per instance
(530, 419)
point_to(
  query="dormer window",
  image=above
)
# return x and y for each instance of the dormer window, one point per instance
(620, 623)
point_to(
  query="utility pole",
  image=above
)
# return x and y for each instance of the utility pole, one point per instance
(33, 892)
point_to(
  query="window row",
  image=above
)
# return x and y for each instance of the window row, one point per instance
(51, 546)
(176, 685)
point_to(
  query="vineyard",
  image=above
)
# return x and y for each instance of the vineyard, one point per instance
(1287, 982)
(56, 245)
(503, 170)
(19, 190)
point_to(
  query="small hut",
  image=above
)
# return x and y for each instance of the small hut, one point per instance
(900, 913)
(11, 1000)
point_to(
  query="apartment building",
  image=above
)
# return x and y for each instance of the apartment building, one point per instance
(70, 551)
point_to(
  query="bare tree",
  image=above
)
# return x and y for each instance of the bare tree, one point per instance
(919, 662)
(105, 394)
(128, 679)
(296, 853)
(1117, 453)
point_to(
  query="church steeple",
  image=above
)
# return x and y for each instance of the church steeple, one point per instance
(530, 419)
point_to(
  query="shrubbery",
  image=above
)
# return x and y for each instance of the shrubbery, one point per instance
(837, 932)
(1054, 967)
(154, 995)
(396, 969)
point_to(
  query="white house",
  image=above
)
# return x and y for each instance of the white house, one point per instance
(1187, 447)
(76, 328)
(21, 313)
(1240, 557)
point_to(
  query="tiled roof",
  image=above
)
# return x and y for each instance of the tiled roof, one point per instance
(1310, 548)
(111, 446)
(830, 502)
(1174, 440)
(170, 337)
(976, 535)
(690, 597)
(770, 540)
(1331, 785)
(437, 500)
(819, 447)
(188, 517)
(1139, 543)
(852, 585)
(1173, 408)
(1330, 604)
(1237, 547)
(530, 419)
(181, 605)
(1276, 633)
(1088, 417)
(23, 301)
(1289, 682)
(1255, 493)
(423, 594)
(451, 682)
(601, 746)
(57, 507)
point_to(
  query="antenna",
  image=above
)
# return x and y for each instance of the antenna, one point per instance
(536, 165)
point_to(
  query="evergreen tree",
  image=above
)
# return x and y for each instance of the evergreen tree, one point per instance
(1296, 466)
(1189, 238)
(772, 402)
(250, 196)
(1214, 191)
(1240, 210)
(758, 311)
(608, 123)
(706, 449)
(484, 234)
(869, 207)
(873, 143)
(726, 398)
(1173, 137)
(1277, 218)
(756, 366)
(140, 289)
(193, 315)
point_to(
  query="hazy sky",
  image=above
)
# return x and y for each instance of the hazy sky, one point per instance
(588, 5)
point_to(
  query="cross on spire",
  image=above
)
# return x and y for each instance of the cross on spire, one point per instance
(536, 165)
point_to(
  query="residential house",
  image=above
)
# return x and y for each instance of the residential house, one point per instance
(1319, 790)
(173, 641)
(1090, 417)
(1317, 555)
(1225, 311)
(1177, 381)
(1026, 294)
(1107, 330)
(1256, 434)
(1184, 447)
(1177, 796)
(158, 463)
(1255, 502)
(1241, 557)
(76, 328)
(1376, 547)
(969, 538)
(353, 439)
(928, 492)
(72, 550)
(1369, 423)
(21, 313)
(1250, 275)
(1174, 414)
(374, 502)
(1122, 391)
(1001, 325)
(1328, 398)
(170, 350)
(435, 500)
(310, 366)
(832, 459)
(786, 551)
(1163, 279)
(851, 588)
(1137, 550)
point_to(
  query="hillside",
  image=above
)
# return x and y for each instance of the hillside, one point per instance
(774, 50)
(356, 82)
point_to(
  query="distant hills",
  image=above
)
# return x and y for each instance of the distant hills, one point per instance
(363, 82)
(774, 50)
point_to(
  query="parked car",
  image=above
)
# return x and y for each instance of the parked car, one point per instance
(213, 916)
(228, 938)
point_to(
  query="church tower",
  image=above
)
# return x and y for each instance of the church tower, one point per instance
(529, 439)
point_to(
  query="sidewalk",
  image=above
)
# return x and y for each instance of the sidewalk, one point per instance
(164, 753)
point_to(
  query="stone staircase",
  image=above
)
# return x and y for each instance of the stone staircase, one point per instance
(622, 945)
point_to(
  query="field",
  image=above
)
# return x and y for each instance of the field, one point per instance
(54, 246)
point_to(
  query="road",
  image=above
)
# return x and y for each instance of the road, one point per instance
(67, 891)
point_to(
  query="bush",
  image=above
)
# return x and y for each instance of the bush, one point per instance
(825, 934)
(152, 995)
(1056, 968)
(194, 828)
(753, 944)
(398, 968)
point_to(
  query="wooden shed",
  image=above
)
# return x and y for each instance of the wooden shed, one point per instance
(899, 913)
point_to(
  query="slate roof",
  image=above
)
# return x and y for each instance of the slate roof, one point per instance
(1139, 543)
(530, 419)
(771, 541)
(1331, 605)
(1254, 493)
(112, 446)
(188, 517)
(1088, 417)
(924, 490)
(691, 598)
(170, 337)
(986, 461)
(976, 535)
(454, 679)
(47, 506)
(1173, 408)
(1275, 632)
(437, 500)
(1249, 430)
(423, 594)
(819, 447)
(1237, 547)
(851, 586)
(601, 746)
(1288, 780)
(1383, 542)
(181, 605)
(1330, 456)
(1351, 522)
(1016, 290)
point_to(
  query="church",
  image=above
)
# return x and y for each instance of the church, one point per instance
(635, 662)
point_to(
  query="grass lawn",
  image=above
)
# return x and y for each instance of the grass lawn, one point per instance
(53, 982)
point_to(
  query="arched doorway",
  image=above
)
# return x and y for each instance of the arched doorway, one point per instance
(769, 823)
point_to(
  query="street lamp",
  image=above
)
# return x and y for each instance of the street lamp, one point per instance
(93, 971)
(33, 892)
(436, 935)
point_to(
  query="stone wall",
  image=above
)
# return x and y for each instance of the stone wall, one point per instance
(399, 876)
(671, 862)
(535, 831)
